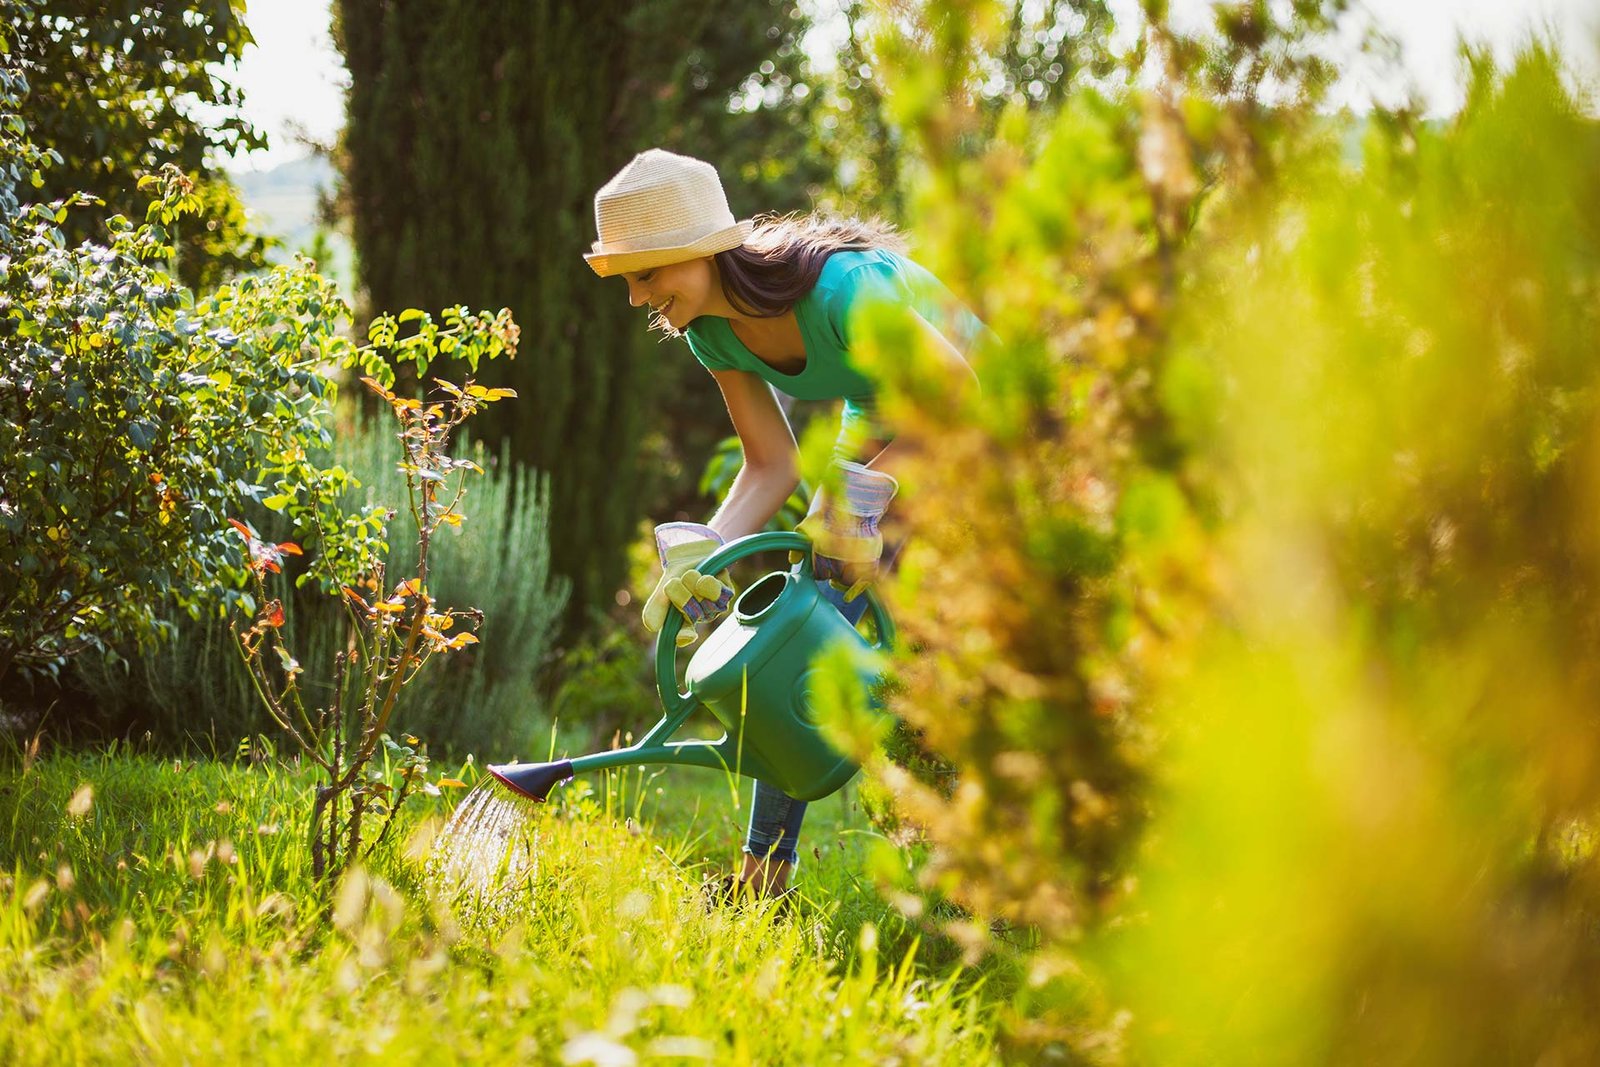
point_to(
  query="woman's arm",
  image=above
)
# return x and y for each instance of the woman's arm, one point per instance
(771, 467)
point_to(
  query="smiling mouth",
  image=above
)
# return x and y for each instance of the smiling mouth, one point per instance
(662, 309)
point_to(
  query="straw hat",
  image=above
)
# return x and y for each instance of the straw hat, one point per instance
(662, 208)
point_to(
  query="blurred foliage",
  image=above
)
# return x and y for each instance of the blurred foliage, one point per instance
(1379, 840)
(121, 90)
(1253, 599)
(1026, 54)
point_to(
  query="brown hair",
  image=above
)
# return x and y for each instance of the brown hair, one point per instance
(782, 258)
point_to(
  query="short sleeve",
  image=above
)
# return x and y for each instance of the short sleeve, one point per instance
(902, 285)
(708, 355)
(874, 283)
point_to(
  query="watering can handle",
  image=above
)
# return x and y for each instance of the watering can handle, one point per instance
(673, 701)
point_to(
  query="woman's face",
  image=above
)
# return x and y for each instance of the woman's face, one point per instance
(678, 293)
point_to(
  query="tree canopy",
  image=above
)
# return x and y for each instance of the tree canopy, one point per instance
(120, 90)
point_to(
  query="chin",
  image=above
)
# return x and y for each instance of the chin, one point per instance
(681, 317)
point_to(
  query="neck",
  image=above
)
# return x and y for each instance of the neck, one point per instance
(717, 302)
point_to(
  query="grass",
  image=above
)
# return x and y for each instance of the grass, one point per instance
(170, 918)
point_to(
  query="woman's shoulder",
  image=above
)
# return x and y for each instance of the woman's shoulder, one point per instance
(874, 272)
(838, 267)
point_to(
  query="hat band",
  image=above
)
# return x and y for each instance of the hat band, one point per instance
(607, 261)
(678, 238)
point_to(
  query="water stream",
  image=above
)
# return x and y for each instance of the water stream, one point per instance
(485, 861)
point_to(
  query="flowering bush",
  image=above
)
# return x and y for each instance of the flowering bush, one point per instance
(133, 415)
(394, 626)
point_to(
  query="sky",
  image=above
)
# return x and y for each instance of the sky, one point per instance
(293, 77)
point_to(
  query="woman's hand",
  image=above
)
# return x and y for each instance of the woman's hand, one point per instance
(842, 526)
(682, 547)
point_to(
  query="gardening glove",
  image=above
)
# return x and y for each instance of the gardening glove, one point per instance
(682, 546)
(843, 527)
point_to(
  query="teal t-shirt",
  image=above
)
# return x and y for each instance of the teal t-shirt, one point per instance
(849, 280)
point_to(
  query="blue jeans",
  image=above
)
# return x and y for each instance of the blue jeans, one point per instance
(775, 816)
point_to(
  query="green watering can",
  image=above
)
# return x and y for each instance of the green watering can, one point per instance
(753, 672)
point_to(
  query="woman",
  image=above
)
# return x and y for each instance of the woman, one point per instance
(769, 304)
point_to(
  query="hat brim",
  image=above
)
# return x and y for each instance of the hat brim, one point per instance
(607, 263)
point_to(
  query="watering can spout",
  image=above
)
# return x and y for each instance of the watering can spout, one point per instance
(533, 780)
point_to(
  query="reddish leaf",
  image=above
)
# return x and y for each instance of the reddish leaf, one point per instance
(289, 548)
(272, 614)
(353, 595)
(244, 531)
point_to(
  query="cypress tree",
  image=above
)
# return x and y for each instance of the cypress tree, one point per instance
(477, 133)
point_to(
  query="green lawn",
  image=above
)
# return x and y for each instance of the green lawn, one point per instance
(170, 918)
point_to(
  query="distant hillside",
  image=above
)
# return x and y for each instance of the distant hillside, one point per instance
(283, 201)
(284, 198)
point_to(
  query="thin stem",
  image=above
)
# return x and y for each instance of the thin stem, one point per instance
(383, 831)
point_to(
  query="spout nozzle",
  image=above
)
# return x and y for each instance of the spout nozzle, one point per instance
(532, 780)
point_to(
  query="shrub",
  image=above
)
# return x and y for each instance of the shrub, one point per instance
(394, 625)
(486, 701)
(1383, 771)
(135, 417)
(132, 416)
(1273, 534)
(193, 684)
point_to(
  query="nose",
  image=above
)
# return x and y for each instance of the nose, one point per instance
(636, 293)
